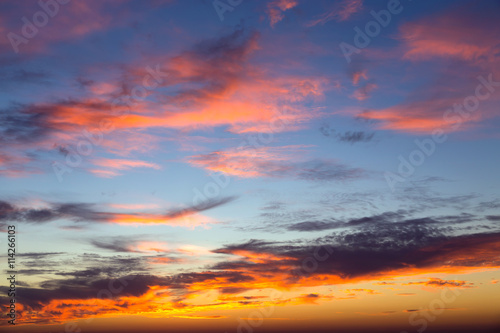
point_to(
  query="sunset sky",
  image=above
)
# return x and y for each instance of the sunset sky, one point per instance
(251, 166)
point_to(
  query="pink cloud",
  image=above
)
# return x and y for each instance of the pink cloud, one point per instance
(276, 8)
(112, 165)
(460, 33)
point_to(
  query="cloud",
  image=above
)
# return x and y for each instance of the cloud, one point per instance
(313, 226)
(341, 11)
(274, 162)
(349, 136)
(119, 164)
(436, 282)
(73, 21)
(363, 92)
(465, 38)
(213, 83)
(276, 8)
(84, 212)
(24, 124)
(371, 248)
(364, 256)
(23, 76)
(372, 253)
(355, 136)
(398, 219)
(203, 206)
(117, 245)
(35, 255)
(467, 32)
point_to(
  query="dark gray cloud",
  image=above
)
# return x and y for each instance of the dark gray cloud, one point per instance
(323, 170)
(38, 255)
(348, 137)
(22, 272)
(85, 212)
(488, 205)
(369, 253)
(396, 219)
(35, 298)
(90, 284)
(313, 226)
(372, 246)
(23, 76)
(355, 136)
(205, 205)
(24, 123)
(117, 245)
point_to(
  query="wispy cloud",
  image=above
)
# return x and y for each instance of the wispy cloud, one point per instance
(341, 11)
(83, 212)
(275, 162)
(276, 9)
(440, 283)
(111, 165)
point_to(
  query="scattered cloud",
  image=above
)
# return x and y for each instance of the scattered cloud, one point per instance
(274, 162)
(276, 8)
(83, 212)
(341, 11)
(439, 283)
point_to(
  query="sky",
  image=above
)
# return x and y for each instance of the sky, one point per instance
(250, 166)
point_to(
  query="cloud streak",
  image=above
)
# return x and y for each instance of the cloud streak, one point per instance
(84, 212)
(274, 162)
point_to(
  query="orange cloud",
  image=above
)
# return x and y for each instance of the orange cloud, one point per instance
(246, 163)
(263, 269)
(412, 117)
(190, 221)
(426, 116)
(151, 247)
(161, 260)
(276, 162)
(211, 87)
